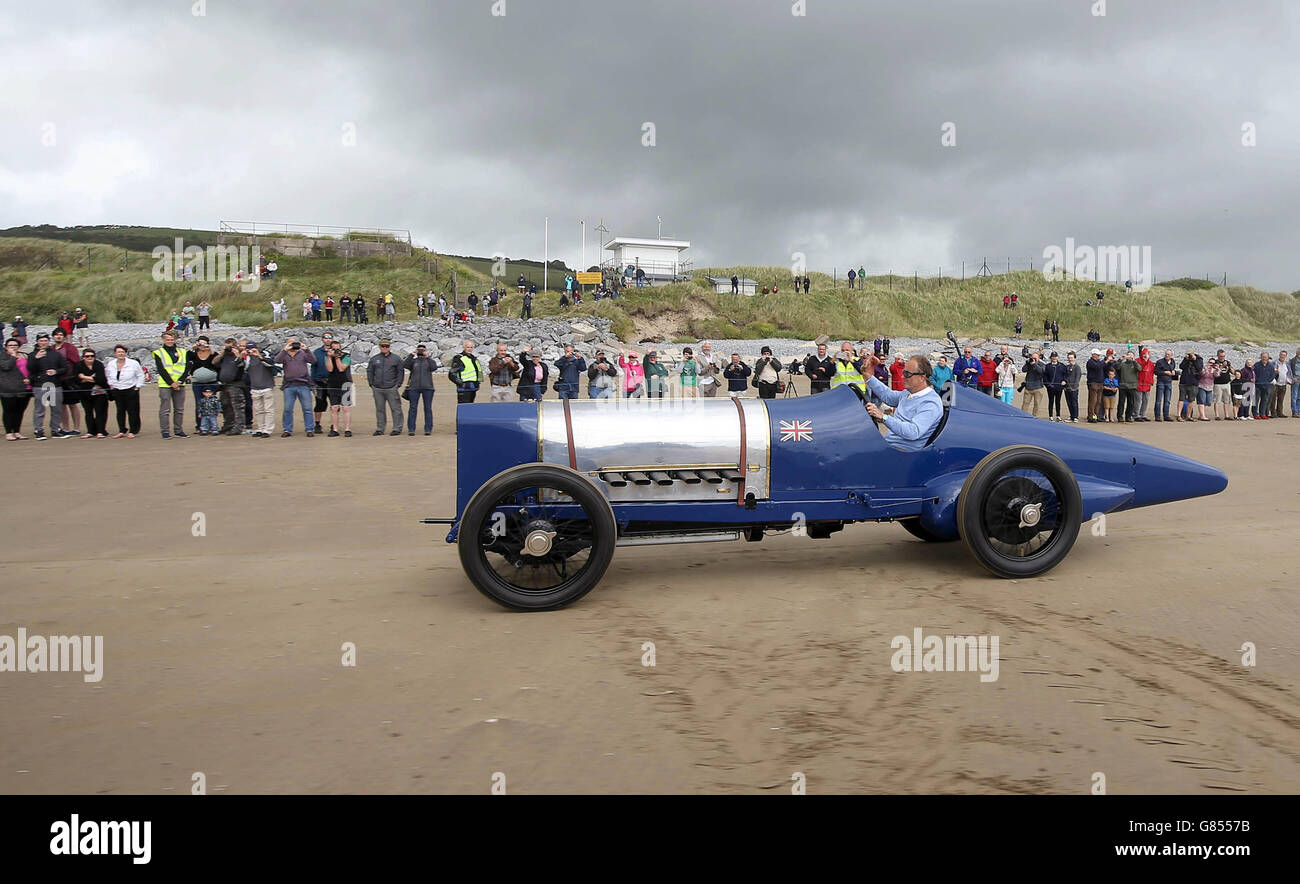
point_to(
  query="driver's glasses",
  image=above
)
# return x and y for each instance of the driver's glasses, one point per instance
(913, 374)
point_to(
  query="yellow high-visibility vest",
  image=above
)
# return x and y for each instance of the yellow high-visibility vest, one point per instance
(847, 373)
(468, 370)
(175, 368)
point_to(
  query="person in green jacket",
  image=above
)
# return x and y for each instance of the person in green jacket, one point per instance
(656, 376)
(690, 375)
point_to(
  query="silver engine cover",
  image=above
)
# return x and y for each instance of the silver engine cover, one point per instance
(692, 445)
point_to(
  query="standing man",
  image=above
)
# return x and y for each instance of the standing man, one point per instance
(205, 315)
(46, 370)
(853, 279)
(296, 385)
(988, 378)
(819, 369)
(1034, 383)
(966, 370)
(707, 369)
(1166, 373)
(278, 313)
(271, 268)
(419, 388)
(71, 408)
(736, 374)
(1128, 383)
(525, 312)
(20, 331)
(767, 374)
(81, 320)
(503, 370)
(188, 312)
(466, 373)
(602, 377)
(172, 365)
(807, 281)
(1056, 331)
(345, 308)
(385, 373)
(1294, 367)
(260, 374)
(1189, 379)
(1095, 374)
(230, 375)
(846, 368)
(320, 375)
(359, 309)
(862, 277)
(1280, 382)
(315, 307)
(571, 367)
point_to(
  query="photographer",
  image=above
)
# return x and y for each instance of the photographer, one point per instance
(502, 372)
(1033, 385)
(767, 374)
(259, 372)
(602, 377)
(230, 375)
(384, 372)
(296, 385)
(419, 388)
(820, 369)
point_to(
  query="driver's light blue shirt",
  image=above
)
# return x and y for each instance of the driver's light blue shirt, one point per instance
(915, 414)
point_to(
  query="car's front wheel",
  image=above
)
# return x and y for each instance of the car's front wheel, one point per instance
(1019, 511)
(537, 537)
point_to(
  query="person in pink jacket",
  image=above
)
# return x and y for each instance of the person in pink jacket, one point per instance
(633, 374)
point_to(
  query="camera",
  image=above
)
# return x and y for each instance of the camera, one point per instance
(295, 346)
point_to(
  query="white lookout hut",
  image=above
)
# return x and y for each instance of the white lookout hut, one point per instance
(661, 259)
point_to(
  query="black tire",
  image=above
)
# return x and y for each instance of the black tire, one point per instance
(492, 549)
(917, 530)
(994, 511)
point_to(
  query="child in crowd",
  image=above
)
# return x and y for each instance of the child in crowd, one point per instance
(1246, 384)
(1109, 394)
(209, 408)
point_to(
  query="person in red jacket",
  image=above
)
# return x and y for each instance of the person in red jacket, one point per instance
(65, 323)
(988, 373)
(1146, 380)
(896, 374)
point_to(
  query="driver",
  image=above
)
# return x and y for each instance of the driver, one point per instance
(917, 407)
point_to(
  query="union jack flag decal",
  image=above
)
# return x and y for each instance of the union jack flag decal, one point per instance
(796, 431)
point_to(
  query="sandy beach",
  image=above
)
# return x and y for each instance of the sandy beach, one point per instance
(223, 653)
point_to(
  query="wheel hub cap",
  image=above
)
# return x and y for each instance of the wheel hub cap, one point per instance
(538, 540)
(1030, 515)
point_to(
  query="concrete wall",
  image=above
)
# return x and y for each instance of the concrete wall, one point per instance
(306, 248)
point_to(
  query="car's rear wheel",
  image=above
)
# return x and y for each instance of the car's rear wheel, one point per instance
(537, 537)
(916, 529)
(1019, 511)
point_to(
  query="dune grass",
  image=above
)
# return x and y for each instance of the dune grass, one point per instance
(88, 276)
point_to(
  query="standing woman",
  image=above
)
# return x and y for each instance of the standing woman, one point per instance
(125, 378)
(88, 378)
(13, 389)
(1007, 380)
(203, 373)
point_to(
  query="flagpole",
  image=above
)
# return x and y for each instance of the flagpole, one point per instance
(546, 247)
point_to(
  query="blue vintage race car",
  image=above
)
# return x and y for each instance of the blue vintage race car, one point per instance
(547, 490)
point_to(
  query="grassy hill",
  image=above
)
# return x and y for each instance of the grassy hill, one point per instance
(116, 284)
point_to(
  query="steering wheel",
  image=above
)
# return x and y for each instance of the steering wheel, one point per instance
(863, 398)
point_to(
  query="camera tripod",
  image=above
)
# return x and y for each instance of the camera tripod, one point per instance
(790, 391)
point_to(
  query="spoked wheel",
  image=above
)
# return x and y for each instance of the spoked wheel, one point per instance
(916, 529)
(537, 537)
(1019, 512)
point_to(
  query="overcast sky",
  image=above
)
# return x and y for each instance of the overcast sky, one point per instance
(773, 133)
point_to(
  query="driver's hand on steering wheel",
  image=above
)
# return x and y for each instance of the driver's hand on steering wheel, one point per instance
(874, 411)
